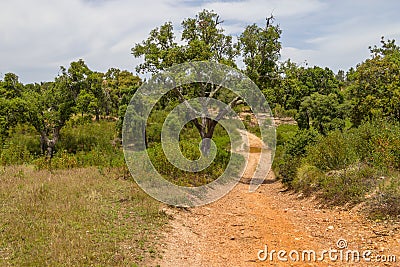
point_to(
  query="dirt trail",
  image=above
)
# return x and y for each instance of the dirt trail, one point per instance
(232, 230)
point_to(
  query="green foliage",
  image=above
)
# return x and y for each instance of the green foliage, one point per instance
(334, 152)
(10, 87)
(280, 112)
(12, 107)
(385, 144)
(291, 147)
(284, 132)
(299, 82)
(48, 106)
(82, 144)
(349, 167)
(374, 89)
(189, 145)
(190, 150)
(297, 146)
(202, 39)
(323, 112)
(347, 186)
(385, 201)
(14, 154)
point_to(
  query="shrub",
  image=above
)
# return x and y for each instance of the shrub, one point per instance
(348, 186)
(280, 112)
(289, 155)
(190, 150)
(386, 145)
(15, 154)
(297, 146)
(333, 152)
(61, 160)
(308, 179)
(385, 202)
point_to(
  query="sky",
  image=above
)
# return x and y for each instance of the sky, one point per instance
(37, 37)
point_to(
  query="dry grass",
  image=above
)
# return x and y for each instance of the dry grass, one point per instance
(78, 217)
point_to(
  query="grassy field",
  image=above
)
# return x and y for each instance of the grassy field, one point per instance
(76, 217)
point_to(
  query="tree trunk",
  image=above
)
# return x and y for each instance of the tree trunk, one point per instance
(206, 132)
(97, 115)
(205, 146)
(48, 145)
(42, 143)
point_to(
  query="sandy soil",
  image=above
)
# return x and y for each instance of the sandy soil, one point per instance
(232, 230)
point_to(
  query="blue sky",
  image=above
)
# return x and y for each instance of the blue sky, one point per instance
(37, 37)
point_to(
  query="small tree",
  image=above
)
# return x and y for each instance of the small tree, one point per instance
(203, 39)
(50, 107)
(323, 112)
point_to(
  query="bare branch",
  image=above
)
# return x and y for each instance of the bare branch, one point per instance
(199, 127)
(270, 20)
(223, 112)
(217, 21)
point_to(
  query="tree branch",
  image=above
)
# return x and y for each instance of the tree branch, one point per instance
(184, 101)
(223, 112)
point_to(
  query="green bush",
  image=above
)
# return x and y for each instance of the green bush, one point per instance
(290, 152)
(21, 147)
(190, 150)
(298, 144)
(333, 152)
(15, 154)
(84, 137)
(285, 132)
(347, 167)
(347, 186)
(386, 145)
(82, 143)
(61, 160)
(308, 179)
(280, 112)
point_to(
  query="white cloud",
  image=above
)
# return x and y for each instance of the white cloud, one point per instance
(344, 42)
(36, 37)
(47, 34)
(255, 10)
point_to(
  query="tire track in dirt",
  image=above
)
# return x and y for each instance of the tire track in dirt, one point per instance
(231, 231)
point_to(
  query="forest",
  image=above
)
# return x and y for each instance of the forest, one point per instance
(342, 145)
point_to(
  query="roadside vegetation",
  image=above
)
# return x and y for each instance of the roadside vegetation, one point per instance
(346, 147)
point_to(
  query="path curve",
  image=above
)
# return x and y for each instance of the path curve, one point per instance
(232, 230)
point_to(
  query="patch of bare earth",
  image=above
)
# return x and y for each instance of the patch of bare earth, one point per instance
(232, 230)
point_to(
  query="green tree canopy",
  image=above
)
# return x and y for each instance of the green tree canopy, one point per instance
(374, 89)
(203, 39)
(260, 48)
(50, 105)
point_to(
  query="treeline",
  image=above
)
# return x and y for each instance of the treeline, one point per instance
(49, 106)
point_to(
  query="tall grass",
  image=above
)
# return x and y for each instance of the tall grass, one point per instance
(75, 217)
